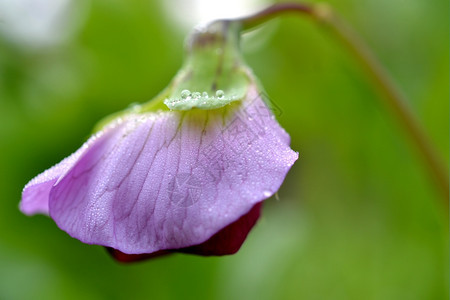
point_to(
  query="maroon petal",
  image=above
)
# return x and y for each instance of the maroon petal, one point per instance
(230, 239)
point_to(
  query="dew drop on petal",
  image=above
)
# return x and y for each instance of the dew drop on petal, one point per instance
(185, 94)
(220, 94)
(267, 193)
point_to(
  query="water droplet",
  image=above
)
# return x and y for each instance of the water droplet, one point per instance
(205, 95)
(196, 95)
(220, 94)
(135, 108)
(267, 193)
(185, 94)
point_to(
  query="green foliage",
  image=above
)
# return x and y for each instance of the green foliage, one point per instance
(357, 216)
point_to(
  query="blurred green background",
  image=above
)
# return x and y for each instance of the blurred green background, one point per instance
(358, 216)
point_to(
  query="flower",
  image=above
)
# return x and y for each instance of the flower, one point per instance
(152, 182)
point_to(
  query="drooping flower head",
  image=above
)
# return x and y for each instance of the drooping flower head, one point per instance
(186, 172)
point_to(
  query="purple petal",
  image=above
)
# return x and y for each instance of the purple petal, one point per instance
(227, 241)
(173, 180)
(35, 194)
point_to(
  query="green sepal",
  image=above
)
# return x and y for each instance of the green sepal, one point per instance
(213, 74)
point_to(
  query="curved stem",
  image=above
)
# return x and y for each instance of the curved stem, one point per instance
(393, 99)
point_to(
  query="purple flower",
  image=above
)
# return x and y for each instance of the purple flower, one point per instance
(191, 181)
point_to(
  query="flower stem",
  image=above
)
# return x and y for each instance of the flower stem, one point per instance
(392, 98)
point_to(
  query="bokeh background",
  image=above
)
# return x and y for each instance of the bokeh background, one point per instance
(358, 216)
